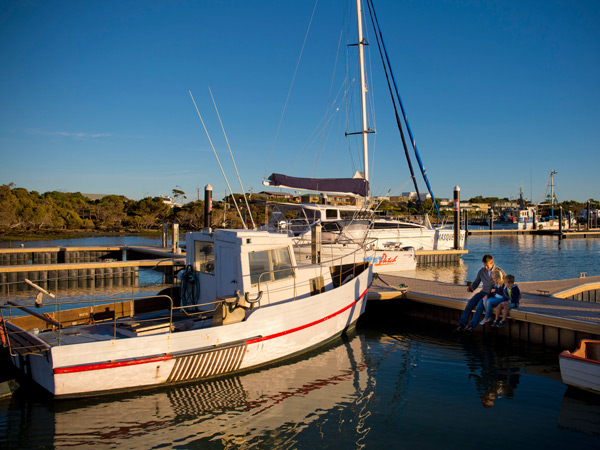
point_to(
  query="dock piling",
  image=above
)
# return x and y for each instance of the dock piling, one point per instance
(456, 217)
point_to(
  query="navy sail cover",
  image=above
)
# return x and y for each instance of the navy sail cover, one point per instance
(356, 186)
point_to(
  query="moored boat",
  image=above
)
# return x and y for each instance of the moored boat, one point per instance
(244, 302)
(581, 368)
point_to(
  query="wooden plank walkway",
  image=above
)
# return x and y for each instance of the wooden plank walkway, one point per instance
(546, 310)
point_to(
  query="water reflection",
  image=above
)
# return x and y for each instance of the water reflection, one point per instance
(272, 405)
(580, 411)
(494, 375)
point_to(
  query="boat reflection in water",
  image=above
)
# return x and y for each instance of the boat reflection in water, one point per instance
(234, 410)
(580, 411)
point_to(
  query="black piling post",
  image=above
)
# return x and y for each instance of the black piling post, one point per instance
(589, 216)
(208, 207)
(491, 219)
(560, 220)
(456, 218)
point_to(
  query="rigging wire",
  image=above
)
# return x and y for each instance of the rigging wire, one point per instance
(329, 105)
(398, 121)
(290, 90)
(232, 159)
(218, 161)
(414, 144)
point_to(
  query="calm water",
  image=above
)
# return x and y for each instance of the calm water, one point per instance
(399, 384)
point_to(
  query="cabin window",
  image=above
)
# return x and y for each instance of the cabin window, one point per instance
(205, 257)
(345, 214)
(331, 213)
(270, 265)
(282, 263)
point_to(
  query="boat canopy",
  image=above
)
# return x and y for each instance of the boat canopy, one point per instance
(354, 186)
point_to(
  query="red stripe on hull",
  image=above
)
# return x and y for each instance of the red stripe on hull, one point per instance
(111, 365)
(308, 325)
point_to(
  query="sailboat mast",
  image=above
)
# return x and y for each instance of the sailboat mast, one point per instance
(363, 90)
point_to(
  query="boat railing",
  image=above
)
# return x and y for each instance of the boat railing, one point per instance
(19, 320)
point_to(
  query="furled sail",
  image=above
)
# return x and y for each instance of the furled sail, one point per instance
(355, 186)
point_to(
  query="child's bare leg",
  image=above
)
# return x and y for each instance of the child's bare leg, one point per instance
(498, 310)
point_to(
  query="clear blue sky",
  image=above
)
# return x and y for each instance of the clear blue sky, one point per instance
(94, 95)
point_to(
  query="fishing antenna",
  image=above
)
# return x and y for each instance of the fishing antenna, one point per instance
(232, 159)
(216, 156)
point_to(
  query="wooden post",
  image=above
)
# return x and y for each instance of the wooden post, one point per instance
(175, 247)
(534, 220)
(165, 232)
(466, 214)
(589, 216)
(456, 217)
(491, 219)
(315, 247)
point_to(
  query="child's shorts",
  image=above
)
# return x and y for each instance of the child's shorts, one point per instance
(512, 305)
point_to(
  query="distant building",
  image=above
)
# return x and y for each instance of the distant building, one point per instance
(170, 201)
(277, 195)
(399, 199)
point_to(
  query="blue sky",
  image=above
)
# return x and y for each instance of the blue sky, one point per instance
(94, 95)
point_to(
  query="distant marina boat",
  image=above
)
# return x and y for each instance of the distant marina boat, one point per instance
(581, 368)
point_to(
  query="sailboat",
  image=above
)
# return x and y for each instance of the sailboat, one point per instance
(391, 238)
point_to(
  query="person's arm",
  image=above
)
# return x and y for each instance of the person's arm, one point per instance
(516, 295)
(475, 282)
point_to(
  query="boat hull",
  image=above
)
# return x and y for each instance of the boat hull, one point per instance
(271, 333)
(581, 369)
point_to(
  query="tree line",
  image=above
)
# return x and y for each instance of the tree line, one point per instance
(23, 211)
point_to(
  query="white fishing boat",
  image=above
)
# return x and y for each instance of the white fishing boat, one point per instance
(244, 303)
(581, 368)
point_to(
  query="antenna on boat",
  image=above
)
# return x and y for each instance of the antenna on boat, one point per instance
(41, 293)
(232, 159)
(218, 161)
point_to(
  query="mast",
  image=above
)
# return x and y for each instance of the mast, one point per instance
(363, 91)
(552, 173)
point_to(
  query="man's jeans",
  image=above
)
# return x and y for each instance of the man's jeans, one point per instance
(476, 300)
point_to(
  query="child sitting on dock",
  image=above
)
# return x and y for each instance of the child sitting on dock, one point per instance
(512, 295)
(495, 297)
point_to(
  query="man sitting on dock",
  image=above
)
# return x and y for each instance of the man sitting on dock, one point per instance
(484, 276)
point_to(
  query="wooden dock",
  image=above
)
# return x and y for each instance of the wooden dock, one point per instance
(552, 313)
(83, 266)
(565, 234)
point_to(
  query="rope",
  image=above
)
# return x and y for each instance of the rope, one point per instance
(190, 286)
(401, 287)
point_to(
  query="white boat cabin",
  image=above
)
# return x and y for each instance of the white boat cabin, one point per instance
(255, 265)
